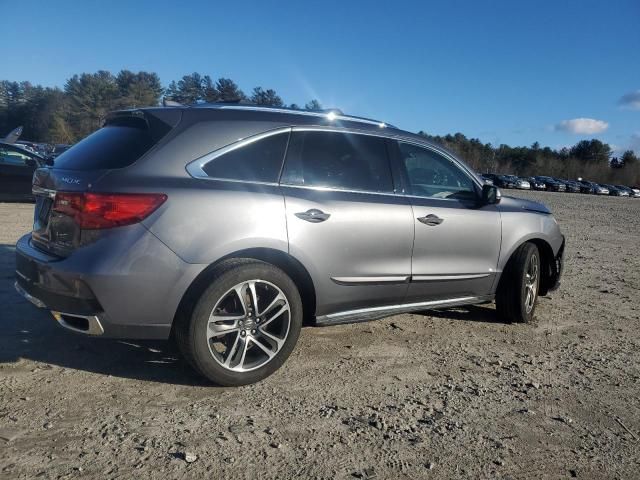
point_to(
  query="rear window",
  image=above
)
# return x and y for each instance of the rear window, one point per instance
(116, 145)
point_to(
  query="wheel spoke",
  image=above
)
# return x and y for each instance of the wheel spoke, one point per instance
(222, 325)
(240, 292)
(232, 351)
(244, 347)
(278, 298)
(284, 308)
(279, 341)
(254, 297)
(270, 353)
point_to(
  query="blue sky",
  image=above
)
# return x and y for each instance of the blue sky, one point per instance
(503, 71)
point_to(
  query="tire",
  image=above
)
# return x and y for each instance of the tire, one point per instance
(513, 301)
(230, 350)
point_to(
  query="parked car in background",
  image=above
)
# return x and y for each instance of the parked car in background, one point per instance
(500, 180)
(551, 184)
(17, 165)
(614, 191)
(519, 183)
(601, 189)
(624, 188)
(587, 187)
(571, 186)
(636, 191)
(535, 184)
(225, 226)
(486, 179)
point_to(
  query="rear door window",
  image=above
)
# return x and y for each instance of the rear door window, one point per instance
(345, 161)
(257, 161)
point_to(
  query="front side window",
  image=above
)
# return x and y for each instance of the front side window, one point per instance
(431, 174)
(257, 161)
(344, 161)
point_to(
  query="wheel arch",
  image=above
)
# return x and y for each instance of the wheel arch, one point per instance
(547, 262)
(286, 262)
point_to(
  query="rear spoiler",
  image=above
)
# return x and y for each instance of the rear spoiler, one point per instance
(169, 116)
(159, 121)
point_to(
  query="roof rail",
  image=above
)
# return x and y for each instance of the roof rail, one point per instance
(330, 114)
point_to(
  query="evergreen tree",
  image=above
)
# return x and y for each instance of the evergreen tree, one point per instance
(313, 105)
(266, 97)
(228, 91)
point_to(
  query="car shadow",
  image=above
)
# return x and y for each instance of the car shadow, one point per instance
(470, 313)
(32, 333)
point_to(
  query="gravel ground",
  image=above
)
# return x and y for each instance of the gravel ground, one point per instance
(436, 395)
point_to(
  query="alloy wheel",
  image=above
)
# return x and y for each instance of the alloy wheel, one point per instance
(531, 283)
(248, 326)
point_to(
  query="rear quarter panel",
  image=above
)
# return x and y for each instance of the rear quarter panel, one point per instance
(212, 219)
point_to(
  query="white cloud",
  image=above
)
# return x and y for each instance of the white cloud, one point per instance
(586, 126)
(630, 100)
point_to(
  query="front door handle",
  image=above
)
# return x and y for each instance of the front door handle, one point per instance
(313, 215)
(431, 220)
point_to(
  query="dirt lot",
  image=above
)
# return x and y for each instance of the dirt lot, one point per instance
(433, 395)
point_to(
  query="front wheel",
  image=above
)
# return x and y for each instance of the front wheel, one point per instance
(245, 324)
(519, 285)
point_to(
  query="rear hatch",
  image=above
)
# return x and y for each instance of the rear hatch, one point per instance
(65, 191)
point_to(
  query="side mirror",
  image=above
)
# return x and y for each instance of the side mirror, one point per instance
(30, 162)
(490, 195)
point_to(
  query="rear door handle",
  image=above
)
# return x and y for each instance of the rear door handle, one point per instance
(431, 220)
(313, 215)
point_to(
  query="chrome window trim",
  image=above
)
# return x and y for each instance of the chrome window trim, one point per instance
(398, 138)
(340, 190)
(195, 168)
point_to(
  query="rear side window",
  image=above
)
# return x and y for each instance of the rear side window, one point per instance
(258, 161)
(338, 160)
(115, 145)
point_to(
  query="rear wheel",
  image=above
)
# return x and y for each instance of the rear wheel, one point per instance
(244, 325)
(519, 285)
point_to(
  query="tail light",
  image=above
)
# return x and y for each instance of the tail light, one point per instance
(107, 210)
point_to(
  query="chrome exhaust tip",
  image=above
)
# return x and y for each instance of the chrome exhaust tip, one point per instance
(87, 324)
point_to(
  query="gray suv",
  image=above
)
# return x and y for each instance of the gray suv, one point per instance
(225, 226)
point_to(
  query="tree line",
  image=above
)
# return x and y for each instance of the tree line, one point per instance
(588, 159)
(65, 115)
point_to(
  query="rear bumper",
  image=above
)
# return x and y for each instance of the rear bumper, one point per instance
(127, 286)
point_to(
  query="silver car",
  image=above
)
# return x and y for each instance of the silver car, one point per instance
(227, 227)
